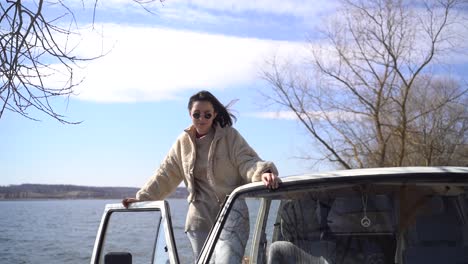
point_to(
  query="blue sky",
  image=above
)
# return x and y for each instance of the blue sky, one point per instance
(133, 101)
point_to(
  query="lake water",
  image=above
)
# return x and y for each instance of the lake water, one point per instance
(64, 231)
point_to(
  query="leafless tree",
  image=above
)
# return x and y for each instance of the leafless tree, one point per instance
(438, 135)
(31, 53)
(35, 48)
(360, 92)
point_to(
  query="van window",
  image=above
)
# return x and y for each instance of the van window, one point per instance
(132, 233)
(391, 222)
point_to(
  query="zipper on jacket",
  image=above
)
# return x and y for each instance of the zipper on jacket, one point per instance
(192, 168)
(211, 166)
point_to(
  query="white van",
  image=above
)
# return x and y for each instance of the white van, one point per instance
(385, 215)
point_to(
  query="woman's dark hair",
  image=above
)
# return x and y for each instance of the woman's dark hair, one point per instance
(224, 117)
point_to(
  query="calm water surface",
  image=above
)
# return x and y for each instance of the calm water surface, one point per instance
(63, 231)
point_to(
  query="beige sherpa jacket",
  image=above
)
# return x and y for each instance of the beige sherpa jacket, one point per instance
(232, 162)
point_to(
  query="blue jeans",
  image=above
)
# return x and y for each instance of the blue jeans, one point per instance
(231, 244)
(197, 239)
(230, 247)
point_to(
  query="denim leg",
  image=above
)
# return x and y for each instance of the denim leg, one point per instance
(231, 245)
(197, 239)
(287, 252)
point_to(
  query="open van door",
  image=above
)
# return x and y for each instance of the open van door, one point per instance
(141, 233)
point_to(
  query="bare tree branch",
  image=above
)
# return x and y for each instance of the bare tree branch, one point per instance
(393, 111)
(34, 49)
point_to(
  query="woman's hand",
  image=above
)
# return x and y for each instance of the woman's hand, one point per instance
(127, 201)
(270, 180)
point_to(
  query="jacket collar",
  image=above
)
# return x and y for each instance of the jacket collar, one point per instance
(219, 131)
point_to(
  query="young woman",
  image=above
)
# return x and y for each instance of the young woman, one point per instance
(212, 159)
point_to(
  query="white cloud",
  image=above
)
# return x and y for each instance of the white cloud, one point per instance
(280, 7)
(291, 7)
(150, 64)
(275, 13)
(337, 116)
(287, 115)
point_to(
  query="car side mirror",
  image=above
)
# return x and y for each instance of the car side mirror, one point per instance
(118, 258)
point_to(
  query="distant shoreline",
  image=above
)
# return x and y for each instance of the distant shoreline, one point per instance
(34, 192)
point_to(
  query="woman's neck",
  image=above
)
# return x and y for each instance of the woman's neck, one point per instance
(200, 135)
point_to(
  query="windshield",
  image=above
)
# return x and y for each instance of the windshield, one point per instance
(387, 222)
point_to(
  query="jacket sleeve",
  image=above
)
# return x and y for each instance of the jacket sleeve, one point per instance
(165, 180)
(250, 165)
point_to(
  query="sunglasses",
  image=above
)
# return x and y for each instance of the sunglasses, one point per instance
(206, 116)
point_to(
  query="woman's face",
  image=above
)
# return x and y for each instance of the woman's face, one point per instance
(202, 114)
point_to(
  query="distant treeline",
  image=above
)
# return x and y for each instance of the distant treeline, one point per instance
(47, 191)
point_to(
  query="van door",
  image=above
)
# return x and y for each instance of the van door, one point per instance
(141, 233)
